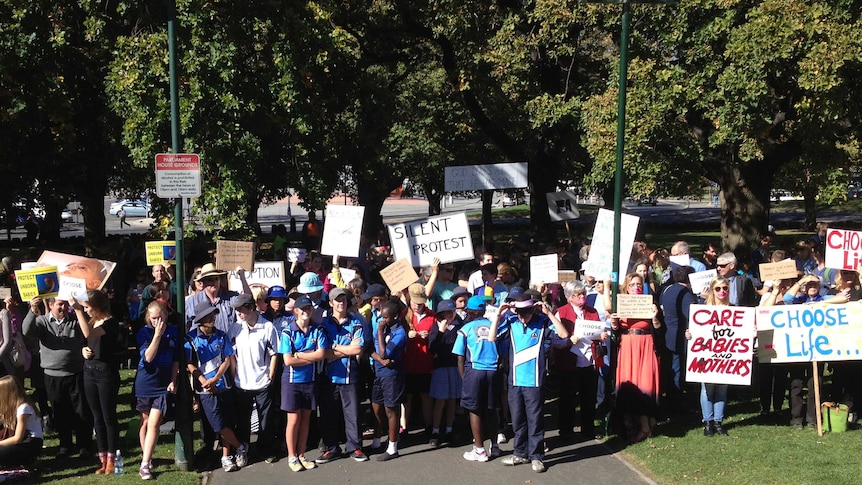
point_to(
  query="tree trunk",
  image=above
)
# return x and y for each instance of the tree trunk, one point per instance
(93, 209)
(487, 220)
(744, 204)
(543, 179)
(809, 192)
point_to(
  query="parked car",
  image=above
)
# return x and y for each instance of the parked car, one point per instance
(137, 208)
(648, 200)
(67, 216)
(510, 200)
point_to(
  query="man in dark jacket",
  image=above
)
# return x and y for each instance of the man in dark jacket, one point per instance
(675, 301)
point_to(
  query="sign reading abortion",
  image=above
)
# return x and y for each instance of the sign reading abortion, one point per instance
(805, 333)
(721, 346)
(843, 249)
(486, 177)
(444, 237)
(266, 273)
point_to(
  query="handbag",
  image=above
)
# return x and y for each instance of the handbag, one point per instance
(19, 352)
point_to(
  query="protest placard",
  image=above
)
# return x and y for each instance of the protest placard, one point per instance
(562, 206)
(444, 237)
(5, 292)
(296, 255)
(41, 281)
(589, 329)
(634, 306)
(778, 271)
(566, 275)
(265, 273)
(233, 254)
(600, 262)
(722, 343)
(806, 333)
(700, 281)
(680, 260)
(342, 230)
(398, 275)
(843, 249)
(72, 287)
(485, 177)
(160, 251)
(95, 272)
(544, 269)
(347, 274)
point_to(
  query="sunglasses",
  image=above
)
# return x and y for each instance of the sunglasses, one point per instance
(721, 288)
(724, 265)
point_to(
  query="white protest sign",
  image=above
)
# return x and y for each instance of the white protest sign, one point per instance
(347, 274)
(342, 230)
(843, 249)
(296, 255)
(72, 287)
(562, 206)
(806, 333)
(486, 177)
(634, 306)
(600, 263)
(589, 329)
(266, 273)
(700, 281)
(444, 237)
(680, 259)
(722, 344)
(544, 269)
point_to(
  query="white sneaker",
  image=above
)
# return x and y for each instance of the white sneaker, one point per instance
(495, 451)
(476, 455)
(538, 466)
(502, 438)
(242, 455)
(228, 465)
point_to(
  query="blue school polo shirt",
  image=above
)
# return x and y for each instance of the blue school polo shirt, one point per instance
(293, 340)
(527, 346)
(211, 352)
(152, 378)
(472, 342)
(346, 369)
(396, 341)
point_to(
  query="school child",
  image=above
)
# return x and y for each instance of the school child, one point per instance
(390, 340)
(445, 380)
(302, 345)
(21, 426)
(158, 344)
(477, 364)
(210, 358)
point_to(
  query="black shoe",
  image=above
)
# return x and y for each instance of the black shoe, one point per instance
(708, 429)
(450, 438)
(386, 456)
(434, 441)
(327, 456)
(719, 430)
(62, 453)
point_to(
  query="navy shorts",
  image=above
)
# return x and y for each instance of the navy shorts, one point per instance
(147, 404)
(417, 384)
(218, 409)
(388, 391)
(481, 390)
(298, 395)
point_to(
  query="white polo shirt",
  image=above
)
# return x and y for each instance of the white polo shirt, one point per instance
(254, 347)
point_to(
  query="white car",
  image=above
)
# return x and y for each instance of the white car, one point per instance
(67, 216)
(133, 208)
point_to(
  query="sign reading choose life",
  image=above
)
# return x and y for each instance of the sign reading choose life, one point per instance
(444, 237)
(807, 333)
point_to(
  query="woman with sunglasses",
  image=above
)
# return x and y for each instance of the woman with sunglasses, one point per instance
(637, 364)
(714, 396)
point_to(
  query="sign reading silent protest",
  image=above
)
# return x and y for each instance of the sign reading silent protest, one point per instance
(807, 333)
(843, 249)
(721, 347)
(444, 237)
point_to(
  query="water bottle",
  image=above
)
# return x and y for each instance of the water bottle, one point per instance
(118, 464)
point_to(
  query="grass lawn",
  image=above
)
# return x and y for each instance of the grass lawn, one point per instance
(758, 450)
(79, 471)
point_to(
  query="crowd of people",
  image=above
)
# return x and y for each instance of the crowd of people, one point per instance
(295, 365)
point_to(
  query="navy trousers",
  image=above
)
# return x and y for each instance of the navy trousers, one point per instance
(528, 421)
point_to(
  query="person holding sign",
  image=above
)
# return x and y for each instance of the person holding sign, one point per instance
(637, 364)
(714, 396)
(575, 364)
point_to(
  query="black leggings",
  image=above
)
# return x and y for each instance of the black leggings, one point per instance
(20, 454)
(102, 386)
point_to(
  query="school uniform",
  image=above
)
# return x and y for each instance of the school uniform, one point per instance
(298, 382)
(389, 381)
(339, 392)
(445, 380)
(152, 378)
(209, 352)
(480, 389)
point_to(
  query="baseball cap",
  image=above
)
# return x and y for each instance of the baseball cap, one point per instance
(241, 300)
(376, 289)
(303, 302)
(514, 293)
(445, 306)
(476, 303)
(336, 292)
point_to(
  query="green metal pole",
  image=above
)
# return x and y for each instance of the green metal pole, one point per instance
(183, 441)
(621, 134)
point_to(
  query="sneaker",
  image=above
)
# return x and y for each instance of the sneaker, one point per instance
(476, 455)
(502, 438)
(145, 472)
(294, 464)
(368, 434)
(307, 464)
(450, 438)
(495, 451)
(708, 429)
(433, 442)
(386, 456)
(228, 465)
(513, 460)
(271, 459)
(327, 456)
(358, 455)
(538, 466)
(718, 429)
(242, 455)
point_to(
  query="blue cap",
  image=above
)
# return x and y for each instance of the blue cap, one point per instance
(476, 303)
(376, 289)
(445, 306)
(277, 292)
(303, 302)
(515, 292)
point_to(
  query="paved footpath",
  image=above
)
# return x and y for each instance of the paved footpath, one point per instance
(585, 462)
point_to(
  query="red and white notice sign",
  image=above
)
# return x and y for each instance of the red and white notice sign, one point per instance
(178, 175)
